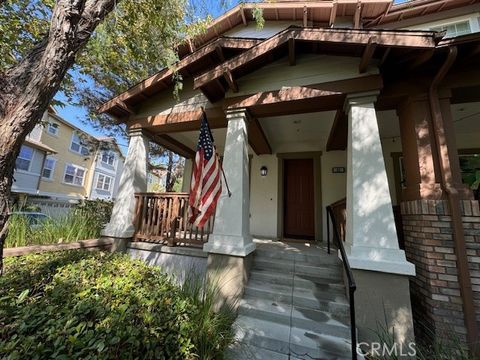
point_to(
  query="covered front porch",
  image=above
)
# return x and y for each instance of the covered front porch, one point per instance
(301, 120)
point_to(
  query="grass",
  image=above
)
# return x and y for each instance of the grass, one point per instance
(93, 305)
(72, 227)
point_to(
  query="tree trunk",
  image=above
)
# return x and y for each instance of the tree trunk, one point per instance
(27, 89)
(170, 179)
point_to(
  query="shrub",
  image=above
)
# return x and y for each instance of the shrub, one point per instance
(92, 305)
(97, 211)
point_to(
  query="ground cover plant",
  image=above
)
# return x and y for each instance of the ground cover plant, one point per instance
(93, 305)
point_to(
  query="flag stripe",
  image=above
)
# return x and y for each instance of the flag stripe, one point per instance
(206, 185)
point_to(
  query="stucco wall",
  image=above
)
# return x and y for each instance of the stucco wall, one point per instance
(61, 144)
(333, 185)
(264, 196)
(180, 263)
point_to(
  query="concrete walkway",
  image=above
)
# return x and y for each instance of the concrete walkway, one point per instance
(294, 305)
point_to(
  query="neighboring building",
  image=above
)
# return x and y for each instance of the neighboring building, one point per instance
(108, 167)
(358, 99)
(30, 162)
(156, 179)
(60, 161)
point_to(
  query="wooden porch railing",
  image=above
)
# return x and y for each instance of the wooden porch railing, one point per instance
(163, 218)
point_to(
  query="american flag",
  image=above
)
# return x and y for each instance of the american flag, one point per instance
(206, 185)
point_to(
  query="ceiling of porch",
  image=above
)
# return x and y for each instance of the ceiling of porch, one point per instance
(296, 132)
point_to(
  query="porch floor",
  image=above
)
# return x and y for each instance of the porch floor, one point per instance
(294, 306)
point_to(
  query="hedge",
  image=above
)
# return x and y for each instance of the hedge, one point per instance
(92, 305)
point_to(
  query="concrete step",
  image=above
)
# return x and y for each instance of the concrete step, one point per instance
(264, 334)
(243, 351)
(319, 321)
(306, 298)
(332, 284)
(308, 344)
(290, 255)
(290, 267)
(279, 339)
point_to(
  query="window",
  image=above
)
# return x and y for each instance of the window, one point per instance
(455, 29)
(74, 175)
(52, 128)
(48, 168)
(77, 145)
(108, 158)
(103, 182)
(24, 158)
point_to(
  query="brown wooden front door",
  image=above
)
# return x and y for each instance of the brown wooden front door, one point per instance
(299, 199)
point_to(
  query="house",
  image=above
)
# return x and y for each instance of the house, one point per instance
(29, 164)
(108, 166)
(366, 100)
(60, 163)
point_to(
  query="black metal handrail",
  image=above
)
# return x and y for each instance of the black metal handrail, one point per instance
(348, 270)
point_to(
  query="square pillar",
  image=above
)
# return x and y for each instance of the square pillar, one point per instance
(231, 233)
(370, 230)
(132, 180)
(379, 266)
(422, 179)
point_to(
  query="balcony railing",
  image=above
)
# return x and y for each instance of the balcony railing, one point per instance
(163, 218)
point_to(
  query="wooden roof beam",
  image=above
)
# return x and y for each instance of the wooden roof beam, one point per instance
(125, 107)
(173, 145)
(367, 54)
(337, 140)
(357, 16)
(305, 16)
(291, 51)
(232, 84)
(244, 18)
(333, 13)
(179, 121)
(220, 54)
(257, 139)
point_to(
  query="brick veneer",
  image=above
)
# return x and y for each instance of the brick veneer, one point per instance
(436, 301)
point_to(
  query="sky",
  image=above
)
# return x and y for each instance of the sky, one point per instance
(77, 114)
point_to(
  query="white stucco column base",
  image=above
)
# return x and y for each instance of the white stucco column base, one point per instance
(231, 232)
(132, 180)
(371, 236)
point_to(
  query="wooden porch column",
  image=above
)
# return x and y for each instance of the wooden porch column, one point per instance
(422, 180)
(132, 180)
(231, 233)
(448, 148)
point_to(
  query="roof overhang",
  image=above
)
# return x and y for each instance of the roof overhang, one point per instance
(308, 12)
(214, 83)
(121, 105)
(40, 146)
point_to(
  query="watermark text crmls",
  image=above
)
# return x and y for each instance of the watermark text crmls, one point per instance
(383, 349)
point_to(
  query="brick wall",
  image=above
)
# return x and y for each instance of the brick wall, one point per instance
(436, 300)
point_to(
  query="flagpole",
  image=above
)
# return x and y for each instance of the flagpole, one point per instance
(221, 166)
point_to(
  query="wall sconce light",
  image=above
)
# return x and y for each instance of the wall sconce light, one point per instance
(263, 171)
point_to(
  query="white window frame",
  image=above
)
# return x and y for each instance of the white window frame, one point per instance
(53, 125)
(22, 158)
(51, 170)
(80, 146)
(103, 182)
(443, 27)
(76, 168)
(109, 154)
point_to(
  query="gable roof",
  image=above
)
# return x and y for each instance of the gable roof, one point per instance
(198, 53)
